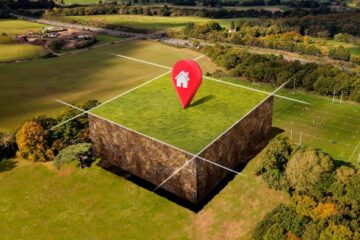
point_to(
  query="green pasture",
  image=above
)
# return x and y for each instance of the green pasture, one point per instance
(12, 27)
(149, 22)
(40, 202)
(332, 127)
(13, 51)
(28, 89)
(155, 110)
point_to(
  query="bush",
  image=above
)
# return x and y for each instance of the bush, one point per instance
(80, 152)
(54, 44)
(280, 221)
(31, 141)
(305, 168)
(8, 145)
(340, 53)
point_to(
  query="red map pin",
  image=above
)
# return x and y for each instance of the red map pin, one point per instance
(186, 77)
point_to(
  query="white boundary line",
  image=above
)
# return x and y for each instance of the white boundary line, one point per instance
(126, 92)
(214, 79)
(147, 136)
(354, 151)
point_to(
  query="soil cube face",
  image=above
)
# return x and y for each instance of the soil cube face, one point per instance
(155, 161)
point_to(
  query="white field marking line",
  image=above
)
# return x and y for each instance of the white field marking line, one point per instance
(147, 136)
(217, 138)
(213, 79)
(142, 61)
(120, 95)
(354, 151)
(320, 138)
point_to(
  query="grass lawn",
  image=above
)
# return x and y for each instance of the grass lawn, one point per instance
(28, 89)
(39, 202)
(149, 22)
(105, 38)
(12, 27)
(14, 51)
(155, 110)
(332, 127)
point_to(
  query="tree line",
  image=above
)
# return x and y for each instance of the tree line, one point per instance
(325, 80)
(272, 35)
(324, 194)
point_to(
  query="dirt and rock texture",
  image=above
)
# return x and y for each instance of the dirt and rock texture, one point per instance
(155, 161)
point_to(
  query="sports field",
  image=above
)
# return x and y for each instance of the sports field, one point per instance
(332, 127)
(149, 22)
(155, 110)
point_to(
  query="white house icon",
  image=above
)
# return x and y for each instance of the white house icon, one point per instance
(182, 79)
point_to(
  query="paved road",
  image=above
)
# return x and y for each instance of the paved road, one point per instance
(115, 33)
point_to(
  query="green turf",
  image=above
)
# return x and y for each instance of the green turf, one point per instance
(39, 202)
(149, 22)
(13, 27)
(14, 51)
(28, 89)
(155, 110)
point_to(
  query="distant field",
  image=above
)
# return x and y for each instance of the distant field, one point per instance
(14, 51)
(149, 22)
(155, 110)
(28, 89)
(13, 27)
(353, 48)
(11, 52)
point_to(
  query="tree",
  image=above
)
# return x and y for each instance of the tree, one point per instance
(32, 144)
(336, 232)
(79, 152)
(340, 53)
(305, 168)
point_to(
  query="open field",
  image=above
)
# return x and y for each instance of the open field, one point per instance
(155, 110)
(353, 48)
(14, 51)
(332, 127)
(92, 203)
(28, 89)
(149, 22)
(12, 27)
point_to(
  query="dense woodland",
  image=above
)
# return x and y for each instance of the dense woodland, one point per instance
(324, 193)
(325, 80)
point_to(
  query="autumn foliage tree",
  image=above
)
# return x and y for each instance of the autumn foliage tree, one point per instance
(31, 141)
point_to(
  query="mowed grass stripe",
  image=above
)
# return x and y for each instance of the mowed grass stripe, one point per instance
(155, 110)
(29, 89)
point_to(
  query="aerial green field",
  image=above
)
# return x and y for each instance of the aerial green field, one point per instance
(14, 51)
(332, 127)
(155, 110)
(39, 202)
(28, 89)
(149, 22)
(12, 27)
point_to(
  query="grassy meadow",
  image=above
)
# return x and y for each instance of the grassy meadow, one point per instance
(155, 110)
(332, 127)
(39, 202)
(14, 51)
(28, 89)
(149, 22)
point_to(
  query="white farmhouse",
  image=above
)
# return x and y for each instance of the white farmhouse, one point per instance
(182, 79)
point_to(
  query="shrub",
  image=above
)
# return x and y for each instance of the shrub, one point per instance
(305, 168)
(340, 53)
(31, 141)
(54, 44)
(280, 221)
(8, 145)
(80, 152)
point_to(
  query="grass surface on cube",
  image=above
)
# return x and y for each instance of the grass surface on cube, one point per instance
(155, 110)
